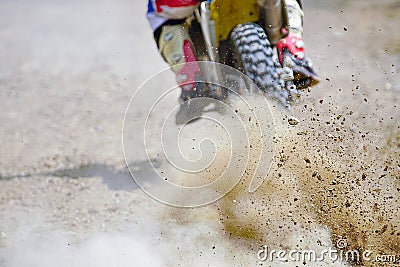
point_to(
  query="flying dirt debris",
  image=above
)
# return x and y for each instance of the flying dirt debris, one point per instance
(67, 72)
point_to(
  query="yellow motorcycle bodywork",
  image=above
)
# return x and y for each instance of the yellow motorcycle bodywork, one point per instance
(227, 14)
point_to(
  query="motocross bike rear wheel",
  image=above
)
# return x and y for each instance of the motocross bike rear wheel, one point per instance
(253, 54)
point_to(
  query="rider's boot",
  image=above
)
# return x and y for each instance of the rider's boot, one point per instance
(291, 48)
(178, 51)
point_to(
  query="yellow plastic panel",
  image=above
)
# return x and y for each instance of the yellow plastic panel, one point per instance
(229, 13)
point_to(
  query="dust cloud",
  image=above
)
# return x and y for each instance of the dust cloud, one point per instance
(68, 71)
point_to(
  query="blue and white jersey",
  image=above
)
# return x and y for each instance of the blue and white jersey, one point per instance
(159, 11)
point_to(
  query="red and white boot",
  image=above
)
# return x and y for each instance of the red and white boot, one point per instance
(291, 48)
(291, 54)
(177, 50)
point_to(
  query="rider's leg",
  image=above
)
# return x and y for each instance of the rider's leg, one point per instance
(291, 47)
(295, 18)
(177, 49)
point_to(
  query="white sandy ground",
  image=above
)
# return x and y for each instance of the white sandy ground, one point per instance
(67, 73)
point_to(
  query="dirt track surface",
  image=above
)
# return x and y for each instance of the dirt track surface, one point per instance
(67, 73)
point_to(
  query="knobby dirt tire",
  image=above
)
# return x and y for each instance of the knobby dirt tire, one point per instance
(255, 57)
